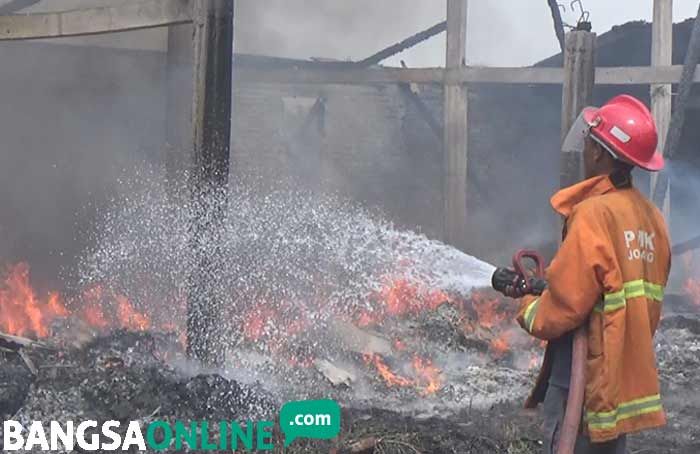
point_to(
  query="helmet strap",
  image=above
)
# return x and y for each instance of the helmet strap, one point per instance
(605, 147)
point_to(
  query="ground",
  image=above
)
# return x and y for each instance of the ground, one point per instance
(128, 376)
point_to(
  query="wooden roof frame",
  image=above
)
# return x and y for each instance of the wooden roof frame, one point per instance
(162, 13)
(454, 77)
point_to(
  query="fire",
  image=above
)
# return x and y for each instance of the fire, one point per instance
(389, 377)
(255, 322)
(94, 317)
(277, 326)
(428, 378)
(129, 318)
(401, 298)
(487, 310)
(55, 306)
(24, 313)
(501, 345)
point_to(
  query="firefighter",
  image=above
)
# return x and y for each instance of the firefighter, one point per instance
(609, 276)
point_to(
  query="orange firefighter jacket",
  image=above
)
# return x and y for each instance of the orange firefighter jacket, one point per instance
(609, 274)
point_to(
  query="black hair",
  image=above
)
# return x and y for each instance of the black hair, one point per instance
(623, 167)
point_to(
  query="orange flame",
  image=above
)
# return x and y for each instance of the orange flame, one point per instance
(501, 344)
(94, 317)
(256, 322)
(129, 318)
(22, 313)
(400, 298)
(487, 310)
(429, 376)
(389, 377)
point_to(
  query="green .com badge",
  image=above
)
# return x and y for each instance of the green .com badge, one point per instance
(315, 419)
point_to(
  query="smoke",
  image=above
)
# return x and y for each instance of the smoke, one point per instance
(73, 120)
(685, 204)
(339, 30)
(500, 32)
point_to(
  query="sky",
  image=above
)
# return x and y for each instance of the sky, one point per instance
(500, 32)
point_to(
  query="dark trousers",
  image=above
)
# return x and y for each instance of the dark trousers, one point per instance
(554, 408)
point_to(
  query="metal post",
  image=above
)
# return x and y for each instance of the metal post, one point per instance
(455, 131)
(211, 121)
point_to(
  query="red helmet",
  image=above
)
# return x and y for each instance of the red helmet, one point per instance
(626, 128)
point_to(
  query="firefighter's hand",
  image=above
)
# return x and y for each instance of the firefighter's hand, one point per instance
(509, 283)
(516, 291)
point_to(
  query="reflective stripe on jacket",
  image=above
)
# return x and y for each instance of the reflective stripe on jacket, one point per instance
(610, 274)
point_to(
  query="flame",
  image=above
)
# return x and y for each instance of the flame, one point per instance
(56, 307)
(429, 377)
(22, 312)
(129, 318)
(256, 321)
(389, 377)
(501, 345)
(94, 317)
(400, 298)
(487, 310)
(365, 319)
(276, 326)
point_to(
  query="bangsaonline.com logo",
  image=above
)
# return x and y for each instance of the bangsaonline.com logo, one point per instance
(314, 419)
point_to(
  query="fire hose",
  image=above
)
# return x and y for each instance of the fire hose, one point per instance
(506, 280)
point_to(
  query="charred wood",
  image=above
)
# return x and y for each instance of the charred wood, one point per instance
(403, 45)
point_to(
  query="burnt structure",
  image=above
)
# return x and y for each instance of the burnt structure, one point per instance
(369, 143)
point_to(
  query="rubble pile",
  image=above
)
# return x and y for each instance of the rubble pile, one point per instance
(123, 376)
(144, 376)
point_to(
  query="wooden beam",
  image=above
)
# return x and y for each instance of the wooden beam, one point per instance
(178, 116)
(14, 6)
(661, 55)
(641, 75)
(94, 21)
(403, 45)
(673, 140)
(211, 122)
(579, 71)
(455, 130)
